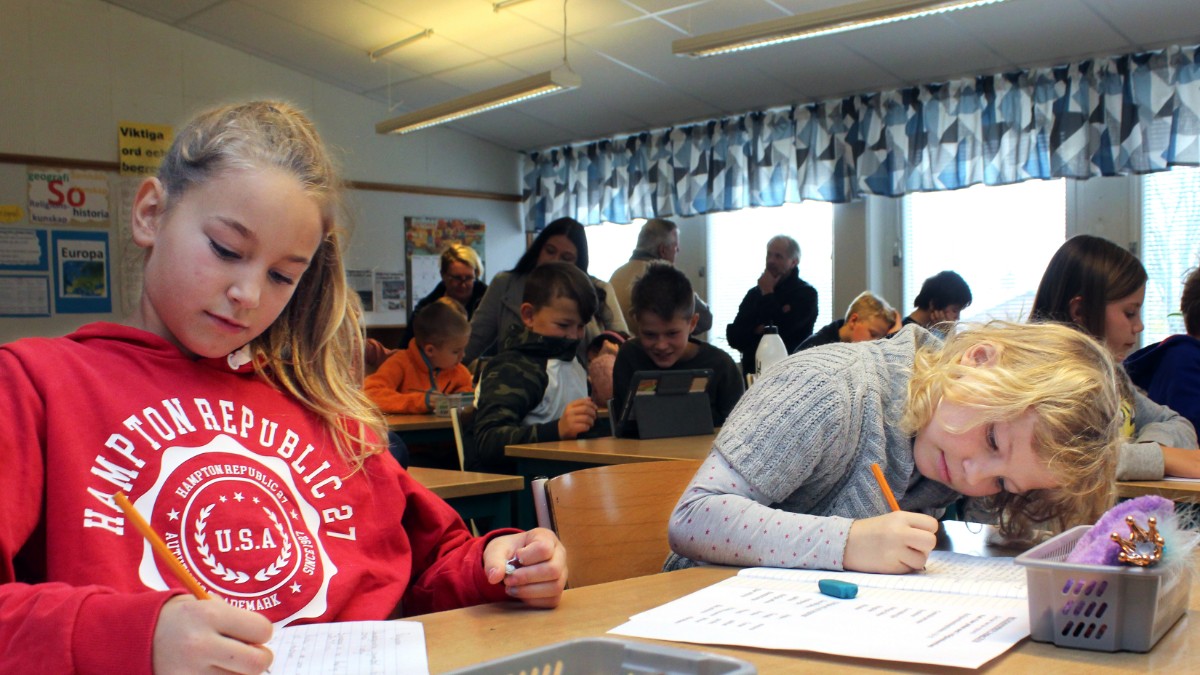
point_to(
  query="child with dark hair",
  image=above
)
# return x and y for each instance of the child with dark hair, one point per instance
(432, 363)
(663, 304)
(943, 297)
(1098, 288)
(1169, 371)
(535, 389)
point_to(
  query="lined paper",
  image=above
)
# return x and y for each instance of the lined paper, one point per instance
(350, 648)
(961, 611)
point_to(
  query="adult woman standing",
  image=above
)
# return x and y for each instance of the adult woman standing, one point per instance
(500, 309)
(462, 274)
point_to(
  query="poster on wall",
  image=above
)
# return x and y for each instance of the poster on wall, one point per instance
(24, 296)
(362, 282)
(68, 196)
(23, 251)
(142, 147)
(425, 238)
(391, 293)
(82, 283)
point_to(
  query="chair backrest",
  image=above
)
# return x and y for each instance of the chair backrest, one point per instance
(462, 420)
(613, 519)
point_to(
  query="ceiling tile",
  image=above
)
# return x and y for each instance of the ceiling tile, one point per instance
(1152, 23)
(167, 12)
(281, 41)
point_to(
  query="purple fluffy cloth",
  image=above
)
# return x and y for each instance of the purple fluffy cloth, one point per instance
(1096, 547)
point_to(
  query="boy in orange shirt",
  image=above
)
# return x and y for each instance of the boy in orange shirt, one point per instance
(432, 363)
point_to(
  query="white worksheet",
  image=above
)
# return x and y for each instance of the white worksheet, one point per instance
(961, 611)
(350, 648)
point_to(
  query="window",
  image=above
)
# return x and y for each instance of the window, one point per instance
(1170, 246)
(610, 245)
(737, 254)
(998, 238)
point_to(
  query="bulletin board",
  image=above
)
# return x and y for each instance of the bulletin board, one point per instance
(425, 239)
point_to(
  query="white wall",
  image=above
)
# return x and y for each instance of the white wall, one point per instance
(72, 69)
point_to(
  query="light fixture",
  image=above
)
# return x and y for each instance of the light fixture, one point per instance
(849, 17)
(388, 49)
(549, 82)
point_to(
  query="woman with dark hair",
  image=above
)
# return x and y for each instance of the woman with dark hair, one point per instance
(500, 309)
(1098, 287)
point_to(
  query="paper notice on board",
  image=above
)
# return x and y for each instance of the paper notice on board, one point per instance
(24, 296)
(391, 298)
(364, 284)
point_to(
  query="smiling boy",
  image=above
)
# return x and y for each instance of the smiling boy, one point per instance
(663, 304)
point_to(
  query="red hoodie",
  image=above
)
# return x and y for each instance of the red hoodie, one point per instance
(241, 481)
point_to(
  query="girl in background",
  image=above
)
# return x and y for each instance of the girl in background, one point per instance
(228, 412)
(1098, 287)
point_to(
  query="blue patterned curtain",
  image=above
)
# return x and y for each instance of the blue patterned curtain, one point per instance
(1135, 113)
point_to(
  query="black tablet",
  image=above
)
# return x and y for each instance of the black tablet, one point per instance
(662, 403)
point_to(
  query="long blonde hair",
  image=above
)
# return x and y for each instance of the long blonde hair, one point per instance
(1067, 378)
(312, 348)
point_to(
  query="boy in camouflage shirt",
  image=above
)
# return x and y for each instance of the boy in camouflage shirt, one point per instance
(536, 389)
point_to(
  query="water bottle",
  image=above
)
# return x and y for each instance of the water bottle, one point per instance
(770, 349)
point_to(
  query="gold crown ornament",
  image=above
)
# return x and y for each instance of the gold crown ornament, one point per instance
(1144, 547)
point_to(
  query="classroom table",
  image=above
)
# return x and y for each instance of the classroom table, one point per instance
(1178, 491)
(554, 458)
(479, 496)
(464, 637)
(429, 437)
(425, 422)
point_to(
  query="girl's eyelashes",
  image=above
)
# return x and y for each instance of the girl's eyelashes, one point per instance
(282, 278)
(991, 437)
(222, 252)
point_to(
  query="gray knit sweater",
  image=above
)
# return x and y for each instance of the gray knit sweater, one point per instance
(790, 469)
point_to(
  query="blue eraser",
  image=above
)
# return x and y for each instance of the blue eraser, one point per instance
(838, 589)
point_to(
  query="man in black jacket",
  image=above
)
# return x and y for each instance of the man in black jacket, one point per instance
(781, 298)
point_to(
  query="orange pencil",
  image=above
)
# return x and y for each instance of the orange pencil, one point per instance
(887, 491)
(160, 549)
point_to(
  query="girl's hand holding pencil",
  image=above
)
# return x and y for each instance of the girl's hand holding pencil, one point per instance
(538, 564)
(896, 543)
(193, 635)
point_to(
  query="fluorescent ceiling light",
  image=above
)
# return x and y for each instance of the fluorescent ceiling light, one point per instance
(848, 17)
(549, 82)
(388, 49)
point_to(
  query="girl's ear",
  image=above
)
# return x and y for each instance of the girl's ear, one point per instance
(148, 207)
(982, 354)
(527, 314)
(1075, 309)
(428, 349)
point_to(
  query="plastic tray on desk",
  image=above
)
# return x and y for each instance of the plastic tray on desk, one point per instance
(1102, 607)
(609, 656)
(442, 403)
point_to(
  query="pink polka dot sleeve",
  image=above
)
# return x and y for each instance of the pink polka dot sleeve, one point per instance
(723, 519)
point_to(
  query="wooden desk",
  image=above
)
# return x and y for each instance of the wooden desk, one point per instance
(402, 423)
(482, 496)
(554, 458)
(469, 636)
(1179, 491)
(609, 450)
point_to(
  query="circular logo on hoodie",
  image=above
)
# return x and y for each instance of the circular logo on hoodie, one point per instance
(237, 522)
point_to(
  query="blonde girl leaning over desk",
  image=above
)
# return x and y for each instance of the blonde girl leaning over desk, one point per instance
(1025, 414)
(227, 412)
